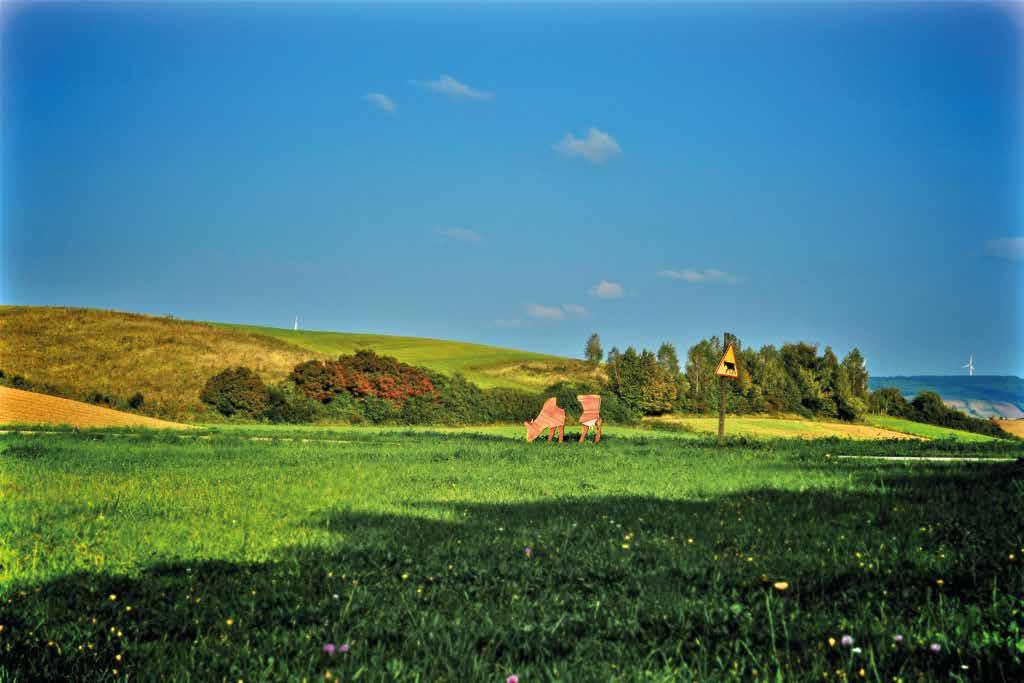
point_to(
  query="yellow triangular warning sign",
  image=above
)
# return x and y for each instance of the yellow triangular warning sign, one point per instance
(727, 366)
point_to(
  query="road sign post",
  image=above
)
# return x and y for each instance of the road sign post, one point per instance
(727, 368)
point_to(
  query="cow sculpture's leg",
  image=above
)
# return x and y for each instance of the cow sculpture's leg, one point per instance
(561, 433)
(583, 434)
(597, 433)
(551, 433)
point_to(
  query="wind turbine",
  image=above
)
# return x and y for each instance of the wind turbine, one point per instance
(970, 366)
(295, 327)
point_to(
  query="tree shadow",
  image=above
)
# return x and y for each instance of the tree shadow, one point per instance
(614, 586)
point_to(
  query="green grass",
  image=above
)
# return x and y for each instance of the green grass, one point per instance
(487, 366)
(409, 546)
(775, 427)
(898, 424)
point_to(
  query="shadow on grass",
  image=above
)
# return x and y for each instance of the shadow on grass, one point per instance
(612, 587)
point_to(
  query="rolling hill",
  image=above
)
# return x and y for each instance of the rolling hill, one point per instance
(487, 366)
(74, 352)
(980, 396)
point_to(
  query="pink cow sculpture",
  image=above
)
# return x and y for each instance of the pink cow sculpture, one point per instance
(591, 416)
(551, 417)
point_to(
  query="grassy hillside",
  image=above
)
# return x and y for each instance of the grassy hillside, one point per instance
(487, 366)
(28, 408)
(74, 352)
(927, 431)
(980, 395)
(78, 351)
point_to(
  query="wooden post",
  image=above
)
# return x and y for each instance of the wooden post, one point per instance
(721, 410)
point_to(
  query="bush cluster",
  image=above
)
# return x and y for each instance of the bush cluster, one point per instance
(366, 387)
(363, 374)
(236, 391)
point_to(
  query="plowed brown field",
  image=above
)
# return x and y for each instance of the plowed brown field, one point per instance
(26, 407)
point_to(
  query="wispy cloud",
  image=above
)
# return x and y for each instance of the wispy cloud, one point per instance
(1010, 248)
(575, 309)
(596, 147)
(556, 312)
(382, 101)
(709, 275)
(545, 312)
(446, 85)
(514, 322)
(607, 290)
(460, 234)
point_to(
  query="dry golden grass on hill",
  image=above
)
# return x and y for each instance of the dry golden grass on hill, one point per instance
(1015, 427)
(78, 351)
(26, 407)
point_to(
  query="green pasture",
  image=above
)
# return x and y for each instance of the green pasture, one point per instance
(927, 431)
(237, 554)
(486, 366)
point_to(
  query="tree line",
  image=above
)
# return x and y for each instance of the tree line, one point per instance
(791, 378)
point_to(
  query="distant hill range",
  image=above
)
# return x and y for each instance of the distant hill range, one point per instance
(980, 395)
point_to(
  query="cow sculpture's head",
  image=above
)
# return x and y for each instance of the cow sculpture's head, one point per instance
(533, 430)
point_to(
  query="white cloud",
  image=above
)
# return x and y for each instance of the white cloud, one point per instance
(1010, 248)
(545, 312)
(460, 234)
(597, 147)
(446, 85)
(709, 275)
(556, 312)
(575, 309)
(381, 100)
(607, 290)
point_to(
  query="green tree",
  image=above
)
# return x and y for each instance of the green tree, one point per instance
(593, 350)
(641, 382)
(857, 372)
(889, 401)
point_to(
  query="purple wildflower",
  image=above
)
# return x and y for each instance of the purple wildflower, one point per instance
(343, 647)
(513, 678)
(529, 553)
(846, 641)
(898, 638)
(329, 648)
(935, 648)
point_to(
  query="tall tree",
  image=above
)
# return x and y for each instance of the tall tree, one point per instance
(668, 359)
(857, 372)
(593, 350)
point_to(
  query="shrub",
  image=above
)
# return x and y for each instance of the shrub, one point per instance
(236, 391)
(101, 399)
(511, 405)
(285, 403)
(363, 374)
(136, 400)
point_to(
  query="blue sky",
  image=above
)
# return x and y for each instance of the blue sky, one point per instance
(523, 175)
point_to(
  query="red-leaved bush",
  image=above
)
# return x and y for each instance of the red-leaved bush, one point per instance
(361, 374)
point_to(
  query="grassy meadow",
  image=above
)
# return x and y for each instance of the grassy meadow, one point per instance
(926, 431)
(237, 554)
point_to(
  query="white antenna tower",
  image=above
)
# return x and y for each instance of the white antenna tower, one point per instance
(295, 327)
(970, 366)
